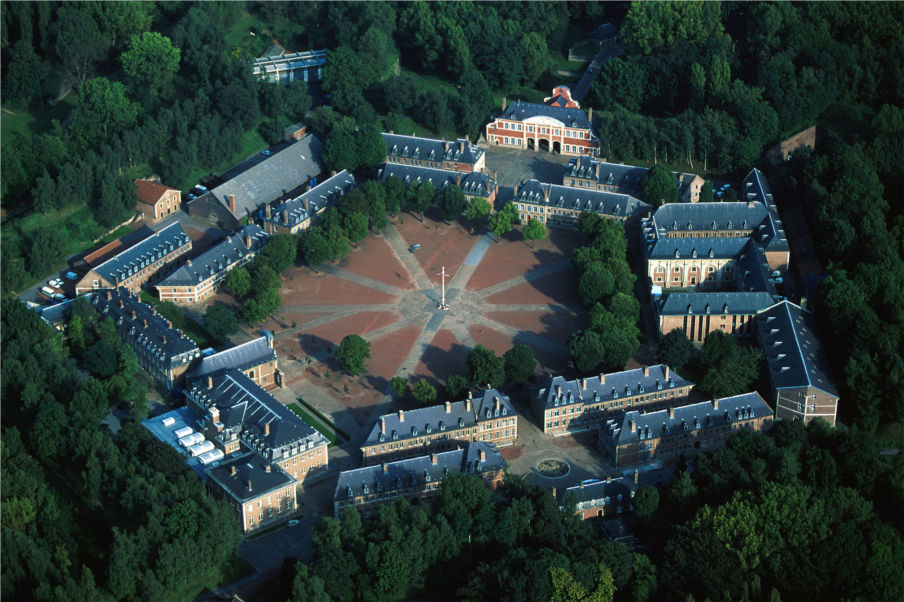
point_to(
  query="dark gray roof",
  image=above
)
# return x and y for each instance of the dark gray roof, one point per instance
(274, 177)
(220, 257)
(433, 419)
(596, 492)
(604, 31)
(158, 337)
(687, 417)
(683, 248)
(58, 312)
(249, 468)
(395, 476)
(560, 393)
(149, 250)
(308, 204)
(756, 187)
(493, 404)
(567, 197)
(247, 411)
(472, 184)
(794, 355)
(703, 217)
(241, 357)
(524, 111)
(753, 270)
(614, 174)
(677, 304)
(429, 149)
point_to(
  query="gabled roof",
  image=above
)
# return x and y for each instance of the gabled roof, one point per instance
(219, 257)
(794, 355)
(525, 111)
(472, 184)
(149, 192)
(402, 425)
(705, 302)
(567, 197)
(402, 474)
(293, 60)
(249, 468)
(430, 149)
(561, 393)
(756, 187)
(595, 492)
(241, 357)
(302, 207)
(684, 248)
(493, 404)
(143, 254)
(704, 217)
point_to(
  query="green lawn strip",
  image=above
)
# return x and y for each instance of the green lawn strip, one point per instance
(326, 431)
(35, 120)
(324, 419)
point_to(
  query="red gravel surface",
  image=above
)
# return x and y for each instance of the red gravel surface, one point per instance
(309, 288)
(332, 333)
(441, 244)
(375, 259)
(500, 343)
(556, 326)
(559, 288)
(512, 258)
(444, 356)
(511, 452)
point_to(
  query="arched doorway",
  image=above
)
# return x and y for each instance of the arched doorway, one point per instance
(531, 145)
(544, 144)
(557, 147)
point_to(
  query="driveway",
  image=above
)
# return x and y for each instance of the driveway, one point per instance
(511, 164)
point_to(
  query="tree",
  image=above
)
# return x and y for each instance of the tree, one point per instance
(451, 202)
(399, 385)
(238, 281)
(675, 349)
(220, 322)
(456, 386)
(587, 350)
(356, 227)
(596, 284)
(315, 247)
(263, 277)
(353, 351)
(150, 62)
(536, 57)
(566, 588)
(395, 194)
(340, 150)
(26, 74)
(478, 208)
(533, 230)
(424, 392)
(484, 368)
(706, 192)
(46, 251)
(504, 219)
(79, 42)
(280, 250)
(104, 109)
(618, 346)
(729, 368)
(646, 501)
(345, 77)
(371, 147)
(519, 363)
(659, 186)
(420, 196)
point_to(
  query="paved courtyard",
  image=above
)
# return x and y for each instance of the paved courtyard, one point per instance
(510, 164)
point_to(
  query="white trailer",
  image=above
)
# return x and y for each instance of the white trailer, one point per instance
(201, 448)
(168, 422)
(211, 456)
(184, 432)
(192, 439)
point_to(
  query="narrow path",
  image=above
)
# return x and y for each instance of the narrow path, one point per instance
(400, 248)
(536, 274)
(364, 281)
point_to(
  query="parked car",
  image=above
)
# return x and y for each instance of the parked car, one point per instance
(191, 196)
(71, 276)
(201, 188)
(59, 297)
(55, 283)
(47, 291)
(294, 522)
(414, 248)
(266, 152)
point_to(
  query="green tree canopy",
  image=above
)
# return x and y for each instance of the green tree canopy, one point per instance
(104, 109)
(237, 282)
(533, 230)
(151, 62)
(424, 392)
(659, 186)
(456, 386)
(519, 363)
(478, 208)
(596, 284)
(353, 351)
(675, 349)
(220, 322)
(587, 351)
(502, 221)
(280, 250)
(420, 196)
(730, 369)
(399, 386)
(451, 202)
(483, 367)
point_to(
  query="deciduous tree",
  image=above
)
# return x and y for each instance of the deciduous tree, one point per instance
(519, 363)
(533, 230)
(424, 392)
(483, 367)
(352, 352)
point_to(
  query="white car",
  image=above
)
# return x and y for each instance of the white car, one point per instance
(55, 283)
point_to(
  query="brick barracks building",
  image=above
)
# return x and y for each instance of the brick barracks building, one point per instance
(490, 418)
(297, 214)
(459, 155)
(556, 205)
(256, 359)
(599, 499)
(418, 478)
(565, 407)
(666, 435)
(587, 172)
(156, 201)
(474, 184)
(531, 126)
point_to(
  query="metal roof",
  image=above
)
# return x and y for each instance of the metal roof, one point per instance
(218, 258)
(135, 258)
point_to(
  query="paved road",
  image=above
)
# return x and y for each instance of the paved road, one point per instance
(593, 70)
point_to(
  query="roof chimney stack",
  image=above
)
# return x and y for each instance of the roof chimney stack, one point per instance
(232, 202)
(134, 315)
(232, 470)
(266, 428)
(285, 216)
(504, 102)
(385, 467)
(249, 484)
(590, 115)
(382, 425)
(633, 426)
(609, 478)
(715, 404)
(448, 407)
(267, 468)
(671, 413)
(433, 459)
(267, 210)
(602, 378)
(209, 382)
(667, 372)
(646, 370)
(483, 455)
(248, 241)
(497, 404)
(401, 415)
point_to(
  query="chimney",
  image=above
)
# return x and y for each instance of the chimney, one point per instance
(646, 370)
(461, 146)
(458, 179)
(385, 467)
(546, 192)
(145, 323)
(214, 414)
(448, 407)
(232, 470)
(249, 484)
(558, 390)
(121, 304)
(495, 175)
(188, 263)
(267, 468)
(433, 459)
(715, 404)
(633, 426)
(584, 383)
(134, 315)
(504, 102)
(248, 241)
(636, 476)
(667, 372)
(468, 402)
(553, 492)
(229, 239)
(582, 484)
(445, 146)
(497, 404)
(590, 115)
(602, 378)
(209, 382)
(483, 455)
(285, 216)
(181, 334)
(266, 428)
(401, 415)
(751, 203)
(608, 478)
(164, 338)
(598, 170)
(109, 296)
(267, 210)
(671, 413)
(232, 203)
(382, 425)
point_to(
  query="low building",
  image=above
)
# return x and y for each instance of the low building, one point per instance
(304, 66)
(561, 97)
(200, 278)
(459, 155)
(257, 491)
(565, 407)
(682, 431)
(474, 184)
(164, 352)
(156, 255)
(491, 418)
(698, 314)
(556, 205)
(297, 214)
(256, 359)
(587, 172)
(599, 499)
(274, 178)
(800, 385)
(531, 126)
(417, 478)
(156, 201)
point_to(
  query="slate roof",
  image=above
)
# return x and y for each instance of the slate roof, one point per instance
(149, 250)
(493, 404)
(683, 248)
(794, 355)
(149, 192)
(756, 187)
(245, 411)
(401, 474)
(158, 336)
(241, 357)
(253, 468)
(730, 303)
(604, 31)
(218, 258)
(311, 202)
(57, 313)
(524, 111)
(703, 217)
(429, 149)
(472, 184)
(613, 174)
(274, 177)
(687, 417)
(567, 197)
(562, 393)
(599, 492)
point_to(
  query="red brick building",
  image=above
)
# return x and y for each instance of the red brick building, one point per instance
(600, 499)
(561, 97)
(459, 155)
(531, 126)
(156, 201)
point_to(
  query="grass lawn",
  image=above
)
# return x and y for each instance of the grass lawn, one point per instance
(36, 120)
(236, 568)
(239, 37)
(316, 424)
(563, 64)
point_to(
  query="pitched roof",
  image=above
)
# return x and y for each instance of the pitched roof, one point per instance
(637, 426)
(595, 492)
(703, 217)
(293, 60)
(706, 302)
(274, 177)
(218, 258)
(144, 253)
(302, 207)
(249, 468)
(598, 201)
(149, 192)
(241, 357)
(533, 112)
(395, 476)
(560, 393)
(794, 355)
(756, 187)
(430, 149)
(682, 248)
(473, 183)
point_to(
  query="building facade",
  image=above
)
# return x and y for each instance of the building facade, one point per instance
(490, 418)
(258, 492)
(565, 407)
(297, 214)
(665, 436)
(473, 185)
(561, 206)
(600, 498)
(698, 314)
(156, 201)
(156, 255)
(459, 155)
(418, 478)
(256, 359)
(304, 66)
(164, 352)
(531, 126)
(593, 174)
(200, 278)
